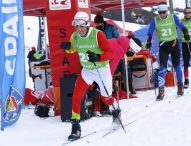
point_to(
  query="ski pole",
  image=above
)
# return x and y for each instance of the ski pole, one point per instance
(108, 95)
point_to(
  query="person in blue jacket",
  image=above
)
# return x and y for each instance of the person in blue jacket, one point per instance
(166, 29)
(109, 30)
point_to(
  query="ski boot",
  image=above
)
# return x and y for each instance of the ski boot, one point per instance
(180, 91)
(161, 93)
(116, 118)
(186, 83)
(76, 130)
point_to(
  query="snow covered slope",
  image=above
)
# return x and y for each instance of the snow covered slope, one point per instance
(164, 123)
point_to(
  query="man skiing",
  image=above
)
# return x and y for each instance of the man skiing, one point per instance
(165, 26)
(186, 45)
(94, 52)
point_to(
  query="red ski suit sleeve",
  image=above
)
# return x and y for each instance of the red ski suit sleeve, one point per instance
(104, 45)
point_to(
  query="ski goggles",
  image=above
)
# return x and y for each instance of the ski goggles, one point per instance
(80, 22)
(162, 12)
(185, 13)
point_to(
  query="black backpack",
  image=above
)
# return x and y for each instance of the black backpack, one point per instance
(41, 110)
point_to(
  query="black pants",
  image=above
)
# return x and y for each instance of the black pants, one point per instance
(186, 54)
(166, 49)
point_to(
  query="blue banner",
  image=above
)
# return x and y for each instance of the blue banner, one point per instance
(12, 61)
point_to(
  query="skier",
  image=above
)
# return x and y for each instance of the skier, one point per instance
(186, 45)
(94, 52)
(165, 26)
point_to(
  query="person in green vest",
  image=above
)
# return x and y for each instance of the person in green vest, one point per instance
(94, 53)
(186, 45)
(166, 29)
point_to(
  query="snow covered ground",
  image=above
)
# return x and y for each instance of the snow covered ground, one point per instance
(164, 123)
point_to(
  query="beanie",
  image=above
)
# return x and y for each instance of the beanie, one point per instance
(98, 19)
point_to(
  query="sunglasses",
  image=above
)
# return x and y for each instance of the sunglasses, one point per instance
(162, 12)
(187, 13)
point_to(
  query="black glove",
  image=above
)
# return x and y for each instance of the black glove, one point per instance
(186, 36)
(65, 45)
(93, 57)
(148, 44)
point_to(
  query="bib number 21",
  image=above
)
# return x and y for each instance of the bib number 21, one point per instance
(166, 32)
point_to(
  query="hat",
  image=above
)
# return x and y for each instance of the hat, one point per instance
(98, 19)
(130, 34)
(187, 9)
(81, 19)
(162, 7)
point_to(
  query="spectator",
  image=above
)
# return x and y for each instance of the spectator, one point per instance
(31, 57)
(165, 25)
(110, 30)
(34, 56)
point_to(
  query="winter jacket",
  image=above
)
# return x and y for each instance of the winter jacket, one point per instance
(120, 47)
(110, 31)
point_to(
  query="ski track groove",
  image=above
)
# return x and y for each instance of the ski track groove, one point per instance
(133, 118)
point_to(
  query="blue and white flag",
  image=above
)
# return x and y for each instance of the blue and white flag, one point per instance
(12, 64)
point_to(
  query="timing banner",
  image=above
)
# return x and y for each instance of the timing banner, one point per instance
(12, 64)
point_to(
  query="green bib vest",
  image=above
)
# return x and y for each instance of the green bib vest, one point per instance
(166, 28)
(89, 43)
(187, 23)
(37, 55)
